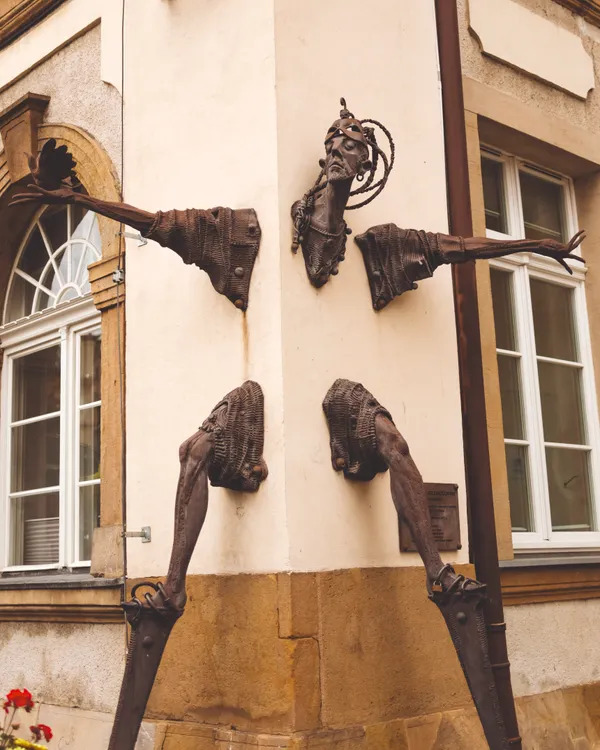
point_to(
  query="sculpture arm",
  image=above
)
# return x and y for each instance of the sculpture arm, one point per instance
(409, 496)
(191, 505)
(460, 249)
(121, 212)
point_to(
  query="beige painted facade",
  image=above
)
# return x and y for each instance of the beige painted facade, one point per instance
(294, 340)
(306, 627)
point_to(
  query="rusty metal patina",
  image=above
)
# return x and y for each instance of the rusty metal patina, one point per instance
(396, 259)
(351, 152)
(223, 242)
(227, 449)
(364, 442)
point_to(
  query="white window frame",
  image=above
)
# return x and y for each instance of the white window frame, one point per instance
(522, 267)
(58, 327)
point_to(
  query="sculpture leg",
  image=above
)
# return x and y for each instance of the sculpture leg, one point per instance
(228, 450)
(153, 618)
(364, 441)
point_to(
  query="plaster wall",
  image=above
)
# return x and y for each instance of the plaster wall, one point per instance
(78, 95)
(78, 728)
(200, 130)
(553, 645)
(584, 113)
(386, 68)
(67, 665)
(243, 135)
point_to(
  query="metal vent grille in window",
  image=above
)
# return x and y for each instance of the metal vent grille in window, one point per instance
(50, 440)
(547, 387)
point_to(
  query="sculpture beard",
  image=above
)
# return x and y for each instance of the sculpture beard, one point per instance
(319, 216)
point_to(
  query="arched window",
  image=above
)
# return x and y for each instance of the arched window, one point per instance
(50, 430)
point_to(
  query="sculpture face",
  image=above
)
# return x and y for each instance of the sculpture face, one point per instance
(351, 151)
(346, 149)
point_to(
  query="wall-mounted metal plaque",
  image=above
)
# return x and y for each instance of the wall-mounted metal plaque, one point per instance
(445, 522)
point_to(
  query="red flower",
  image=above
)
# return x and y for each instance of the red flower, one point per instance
(19, 699)
(39, 730)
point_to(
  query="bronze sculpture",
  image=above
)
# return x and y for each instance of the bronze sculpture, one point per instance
(364, 441)
(395, 259)
(227, 449)
(221, 241)
(351, 151)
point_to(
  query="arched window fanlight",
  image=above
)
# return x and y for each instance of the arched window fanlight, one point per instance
(52, 264)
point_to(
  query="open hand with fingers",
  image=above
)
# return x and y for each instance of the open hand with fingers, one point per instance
(37, 194)
(54, 177)
(560, 252)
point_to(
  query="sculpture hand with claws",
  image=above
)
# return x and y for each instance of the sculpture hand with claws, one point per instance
(227, 449)
(364, 441)
(223, 242)
(395, 259)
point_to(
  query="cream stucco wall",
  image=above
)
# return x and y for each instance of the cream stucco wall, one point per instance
(200, 130)
(382, 66)
(263, 82)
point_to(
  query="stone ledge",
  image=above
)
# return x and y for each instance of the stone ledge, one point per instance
(566, 719)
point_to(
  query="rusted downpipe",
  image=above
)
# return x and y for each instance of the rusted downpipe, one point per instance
(483, 544)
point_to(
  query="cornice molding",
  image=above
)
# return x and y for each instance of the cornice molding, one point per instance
(589, 9)
(550, 584)
(16, 16)
(73, 613)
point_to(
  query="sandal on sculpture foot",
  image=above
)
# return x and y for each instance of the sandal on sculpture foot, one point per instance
(351, 411)
(237, 426)
(440, 590)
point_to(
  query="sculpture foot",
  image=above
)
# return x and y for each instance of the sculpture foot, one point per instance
(151, 624)
(460, 600)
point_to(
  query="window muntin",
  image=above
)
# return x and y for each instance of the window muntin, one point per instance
(544, 363)
(50, 441)
(52, 265)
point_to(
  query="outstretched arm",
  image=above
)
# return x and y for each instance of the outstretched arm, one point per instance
(122, 212)
(460, 249)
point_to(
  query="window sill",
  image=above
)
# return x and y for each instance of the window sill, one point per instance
(57, 580)
(532, 582)
(61, 598)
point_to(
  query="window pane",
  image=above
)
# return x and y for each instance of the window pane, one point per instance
(89, 518)
(569, 486)
(553, 320)
(64, 266)
(54, 222)
(493, 195)
(503, 310)
(518, 487)
(35, 451)
(560, 392)
(89, 444)
(34, 530)
(35, 256)
(20, 300)
(36, 384)
(82, 222)
(542, 207)
(510, 391)
(90, 358)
